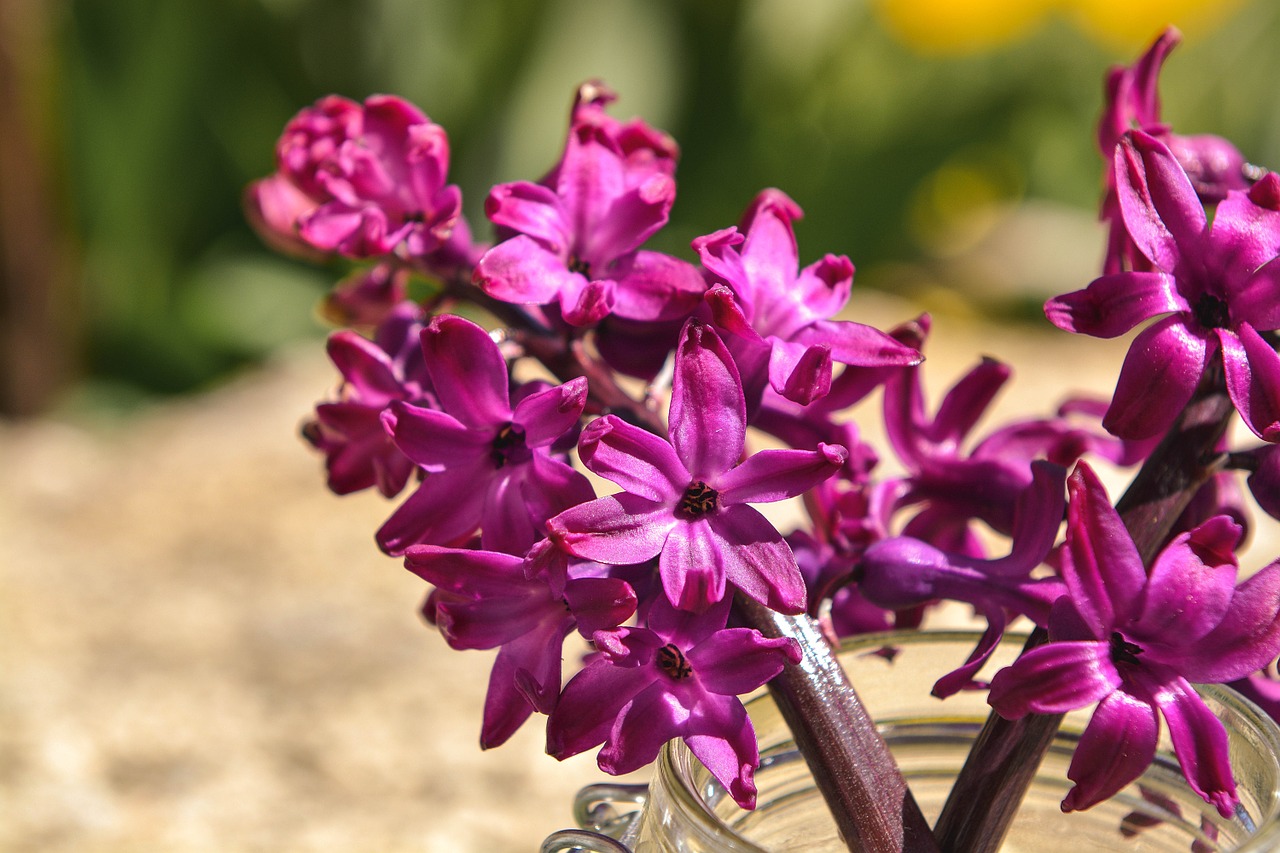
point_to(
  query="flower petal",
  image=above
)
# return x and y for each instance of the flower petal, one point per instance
(1247, 639)
(1116, 747)
(720, 735)
(446, 507)
(1253, 379)
(708, 416)
(617, 529)
(529, 209)
(634, 458)
(549, 414)
(1160, 372)
(1160, 208)
(1114, 304)
(1190, 588)
(1100, 563)
(522, 270)
(435, 440)
(653, 717)
(1053, 679)
(738, 660)
(757, 560)
(468, 371)
(775, 475)
(655, 287)
(692, 566)
(1200, 742)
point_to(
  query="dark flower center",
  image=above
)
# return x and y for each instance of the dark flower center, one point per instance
(1122, 650)
(508, 443)
(672, 661)
(1211, 312)
(699, 499)
(578, 265)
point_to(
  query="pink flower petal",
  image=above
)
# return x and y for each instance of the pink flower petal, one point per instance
(1054, 678)
(1114, 304)
(1159, 205)
(618, 529)
(1160, 372)
(1117, 746)
(734, 661)
(547, 415)
(1100, 563)
(653, 717)
(1253, 379)
(755, 559)
(468, 372)
(775, 475)
(721, 737)
(530, 209)
(692, 566)
(522, 270)
(708, 413)
(1200, 742)
(634, 458)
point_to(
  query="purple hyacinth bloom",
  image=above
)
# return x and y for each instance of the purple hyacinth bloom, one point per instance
(954, 485)
(778, 315)
(483, 600)
(375, 373)
(1133, 641)
(902, 572)
(1218, 284)
(686, 501)
(574, 239)
(488, 463)
(361, 180)
(678, 677)
(1213, 164)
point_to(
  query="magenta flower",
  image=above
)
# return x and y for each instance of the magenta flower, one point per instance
(575, 238)
(1213, 165)
(360, 180)
(483, 600)
(903, 572)
(1134, 641)
(952, 484)
(375, 373)
(678, 677)
(686, 501)
(779, 315)
(1219, 286)
(489, 465)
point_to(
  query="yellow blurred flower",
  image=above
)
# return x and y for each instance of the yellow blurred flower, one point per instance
(973, 26)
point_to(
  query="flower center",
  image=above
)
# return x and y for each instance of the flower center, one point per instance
(672, 661)
(508, 442)
(699, 499)
(1122, 650)
(578, 265)
(1211, 312)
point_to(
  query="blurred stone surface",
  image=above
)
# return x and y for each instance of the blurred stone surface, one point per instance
(201, 649)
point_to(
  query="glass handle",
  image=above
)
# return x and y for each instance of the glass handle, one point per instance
(581, 841)
(605, 827)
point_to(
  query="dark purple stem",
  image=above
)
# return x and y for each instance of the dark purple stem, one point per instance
(850, 762)
(1004, 759)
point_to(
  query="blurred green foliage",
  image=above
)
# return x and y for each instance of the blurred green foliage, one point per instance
(167, 108)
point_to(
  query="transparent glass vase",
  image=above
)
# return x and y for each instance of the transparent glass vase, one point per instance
(684, 809)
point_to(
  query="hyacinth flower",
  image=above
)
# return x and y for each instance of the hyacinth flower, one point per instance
(686, 500)
(483, 600)
(1134, 641)
(375, 373)
(1218, 284)
(903, 572)
(574, 239)
(360, 180)
(679, 676)
(1213, 164)
(953, 485)
(777, 315)
(488, 464)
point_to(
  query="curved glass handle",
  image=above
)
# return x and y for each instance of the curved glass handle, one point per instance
(605, 828)
(581, 841)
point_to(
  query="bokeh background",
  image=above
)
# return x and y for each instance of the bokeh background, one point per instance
(201, 649)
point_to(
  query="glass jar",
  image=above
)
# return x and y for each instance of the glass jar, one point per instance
(684, 809)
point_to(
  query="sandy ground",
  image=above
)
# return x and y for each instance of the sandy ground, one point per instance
(202, 650)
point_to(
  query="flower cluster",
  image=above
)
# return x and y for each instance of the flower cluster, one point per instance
(746, 366)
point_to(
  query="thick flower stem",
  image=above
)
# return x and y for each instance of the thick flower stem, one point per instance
(850, 762)
(1004, 759)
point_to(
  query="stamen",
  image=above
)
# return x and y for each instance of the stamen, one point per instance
(672, 661)
(1122, 650)
(699, 499)
(509, 441)
(1211, 312)
(578, 265)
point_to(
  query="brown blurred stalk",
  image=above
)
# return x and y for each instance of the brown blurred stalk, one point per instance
(38, 314)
